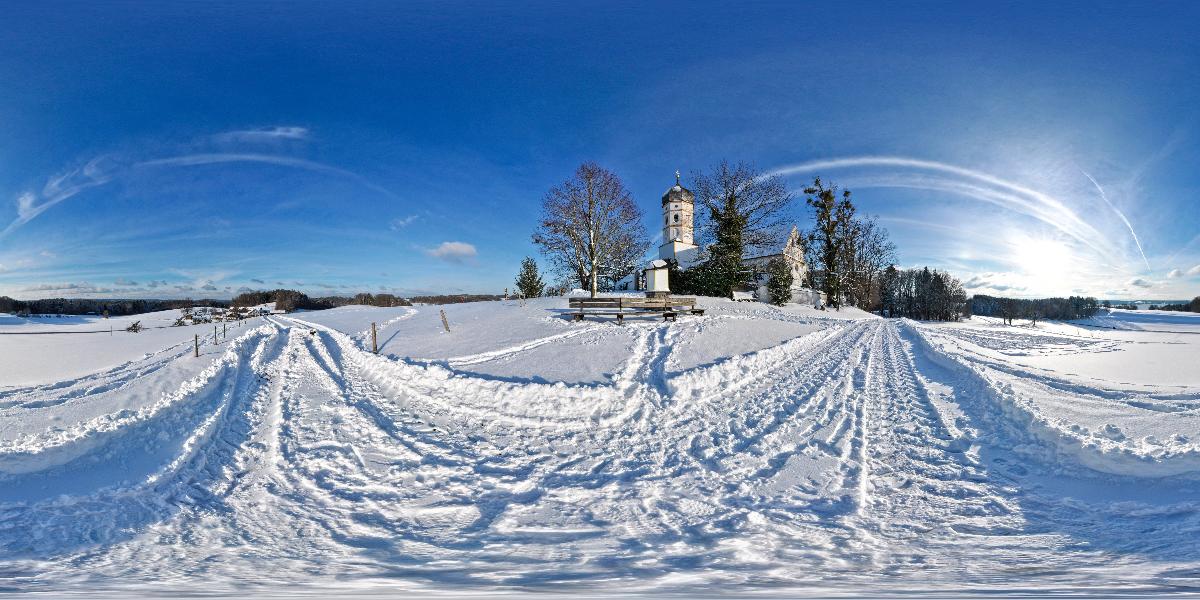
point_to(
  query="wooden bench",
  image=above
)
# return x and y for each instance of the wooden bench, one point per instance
(622, 306)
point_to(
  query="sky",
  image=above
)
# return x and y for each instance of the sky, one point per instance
(201, 149)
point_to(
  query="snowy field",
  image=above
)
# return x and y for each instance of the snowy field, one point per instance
(753, 449)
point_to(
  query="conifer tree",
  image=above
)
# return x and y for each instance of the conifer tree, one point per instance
(529, 281)
(743, 208)
(779, 282)
(832, 220)
(888, 284)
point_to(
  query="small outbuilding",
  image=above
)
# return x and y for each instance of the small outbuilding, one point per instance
(657, 283)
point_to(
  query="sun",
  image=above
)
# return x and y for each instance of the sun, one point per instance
(1046, 263)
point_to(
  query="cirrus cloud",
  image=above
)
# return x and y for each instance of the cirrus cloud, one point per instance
(264, 134)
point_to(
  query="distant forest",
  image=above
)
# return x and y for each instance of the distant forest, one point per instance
(286, 300)
(84, 306)
(926, 294)
(1058, 309)
(1193, 306)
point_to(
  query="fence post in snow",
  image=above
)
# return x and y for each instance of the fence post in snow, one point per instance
(374, 342)
(445, 323)
(223, 334)
(196, 341)
(216, 340)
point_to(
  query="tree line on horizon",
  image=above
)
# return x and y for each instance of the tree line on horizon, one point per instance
(84, 306)
(1057, 309)
(925, 294)
(290, 300)
(1192, 306)
(285, 300)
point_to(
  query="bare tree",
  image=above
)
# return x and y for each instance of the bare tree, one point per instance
(868, 253)
(739, 192)
(591, 227)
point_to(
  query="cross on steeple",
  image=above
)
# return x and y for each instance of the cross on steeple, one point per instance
(676, 176)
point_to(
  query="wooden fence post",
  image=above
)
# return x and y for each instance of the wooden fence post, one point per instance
(216, 340)
(196, 341)
(223, 334)
(374, 341)
(445, 323)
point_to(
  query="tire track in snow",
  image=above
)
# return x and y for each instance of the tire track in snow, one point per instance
(197, 433)
(840, 458)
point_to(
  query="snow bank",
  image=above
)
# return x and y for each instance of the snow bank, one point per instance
(1111, 430)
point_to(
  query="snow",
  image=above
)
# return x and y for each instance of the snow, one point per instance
(48, 349)
(752, 449)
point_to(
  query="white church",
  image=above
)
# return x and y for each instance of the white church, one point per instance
(679, 244)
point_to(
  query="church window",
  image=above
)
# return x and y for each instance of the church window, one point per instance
(676, 218)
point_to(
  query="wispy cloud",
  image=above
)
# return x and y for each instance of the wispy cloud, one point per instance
(67, 288)
(106, 168)
(265, 134)
(1194, 271)
(203, 280)
(994, 282)
(190, 160)
(1140, 282)
(914, 173)
(455, 252)
(401, 223)
(1175, 274)
(96, 172)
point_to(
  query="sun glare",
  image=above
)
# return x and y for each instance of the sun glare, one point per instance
(1046, 263)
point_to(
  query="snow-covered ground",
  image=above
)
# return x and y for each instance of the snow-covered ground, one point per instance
(791, 451)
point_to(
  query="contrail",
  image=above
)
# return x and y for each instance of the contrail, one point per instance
(271, 159)
(93, 174)
(1119, 214)
(998, 191)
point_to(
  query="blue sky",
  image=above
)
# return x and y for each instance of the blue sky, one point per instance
(197, 149)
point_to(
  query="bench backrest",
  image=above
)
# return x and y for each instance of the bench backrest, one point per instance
(660, 302)
(594, 302)
(627, 302)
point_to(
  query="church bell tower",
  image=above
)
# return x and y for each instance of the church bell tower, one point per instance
(678, 206)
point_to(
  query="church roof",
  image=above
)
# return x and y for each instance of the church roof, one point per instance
(678, 193)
